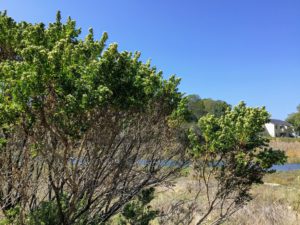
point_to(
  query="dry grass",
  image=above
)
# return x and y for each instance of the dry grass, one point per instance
(290, 146)
(265, 213)
(275, 202)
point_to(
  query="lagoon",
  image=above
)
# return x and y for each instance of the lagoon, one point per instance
(287, 167)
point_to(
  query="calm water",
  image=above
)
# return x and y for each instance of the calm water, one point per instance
(287, 167)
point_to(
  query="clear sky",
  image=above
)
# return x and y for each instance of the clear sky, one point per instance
(231, 50)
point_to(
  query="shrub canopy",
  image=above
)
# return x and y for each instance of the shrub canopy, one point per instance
(83, 126)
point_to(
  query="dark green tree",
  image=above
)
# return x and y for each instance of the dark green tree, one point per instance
(294, 119)
(138, 211)
(201, 107)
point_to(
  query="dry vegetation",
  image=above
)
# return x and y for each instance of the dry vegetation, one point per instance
(277, 201)
(291, 146)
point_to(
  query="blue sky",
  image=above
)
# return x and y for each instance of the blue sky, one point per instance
(231, 50)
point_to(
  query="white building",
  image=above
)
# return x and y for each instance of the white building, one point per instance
(279, 128)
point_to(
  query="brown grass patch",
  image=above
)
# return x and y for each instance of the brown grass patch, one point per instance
(276, 202)
(291, 148)
(273, 204)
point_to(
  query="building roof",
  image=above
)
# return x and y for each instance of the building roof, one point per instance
(280, 122)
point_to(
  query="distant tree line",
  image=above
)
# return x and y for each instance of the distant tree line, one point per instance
(202, 106)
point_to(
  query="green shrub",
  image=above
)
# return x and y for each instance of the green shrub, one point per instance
(138, 211)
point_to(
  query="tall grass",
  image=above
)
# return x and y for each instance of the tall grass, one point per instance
(277, 202)
(291, 146)
(273, 204)
(285, 139)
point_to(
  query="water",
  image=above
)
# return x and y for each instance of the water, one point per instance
(173, 163)
(287, 167)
